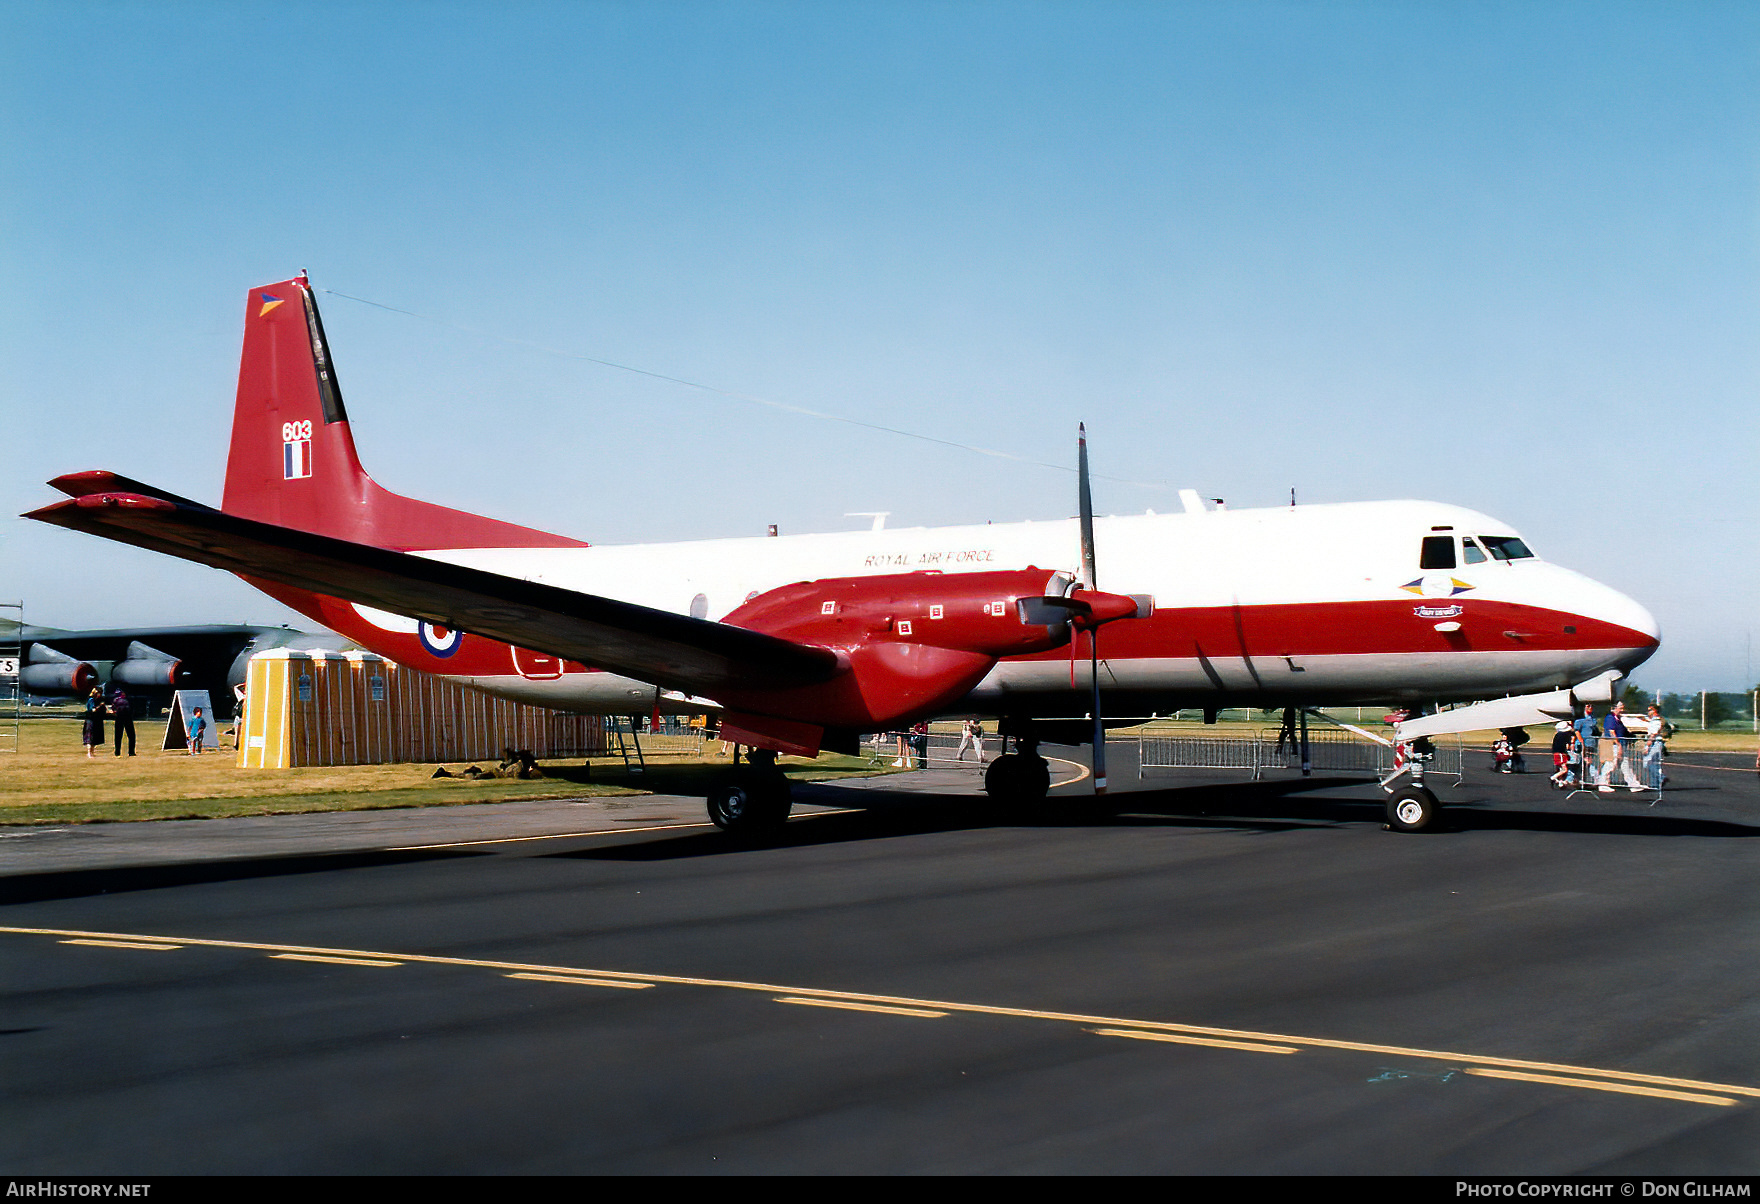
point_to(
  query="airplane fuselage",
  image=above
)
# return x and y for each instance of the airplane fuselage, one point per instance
(1320, 604)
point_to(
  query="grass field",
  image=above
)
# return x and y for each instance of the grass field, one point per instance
(50, 781)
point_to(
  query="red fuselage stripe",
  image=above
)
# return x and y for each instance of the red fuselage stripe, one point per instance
(1375, 628)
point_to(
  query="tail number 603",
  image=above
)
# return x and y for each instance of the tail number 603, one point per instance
(296, 430)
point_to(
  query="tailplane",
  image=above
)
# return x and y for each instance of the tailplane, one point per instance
(293, 460)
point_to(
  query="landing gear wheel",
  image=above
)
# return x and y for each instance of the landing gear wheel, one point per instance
(1014, 778)
(1411, 809)
(751, 803)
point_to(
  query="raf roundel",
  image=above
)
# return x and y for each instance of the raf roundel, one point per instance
(439, 641)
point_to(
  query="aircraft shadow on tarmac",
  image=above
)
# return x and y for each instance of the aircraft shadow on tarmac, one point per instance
(1259, 806)
(79, 884)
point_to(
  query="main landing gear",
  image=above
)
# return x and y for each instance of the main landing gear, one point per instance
(1022, 776)
(754, 799)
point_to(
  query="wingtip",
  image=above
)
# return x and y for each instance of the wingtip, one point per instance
(60, 512)
(78, 484)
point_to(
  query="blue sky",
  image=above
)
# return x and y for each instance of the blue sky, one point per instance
(1503, 255)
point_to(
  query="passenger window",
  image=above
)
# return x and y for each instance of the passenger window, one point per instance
(1506, 547)
(1473, 554)
(1438, 552)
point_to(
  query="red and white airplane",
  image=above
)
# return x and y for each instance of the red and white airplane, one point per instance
(802, 642)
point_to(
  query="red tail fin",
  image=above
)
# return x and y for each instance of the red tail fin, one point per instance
(293, 461)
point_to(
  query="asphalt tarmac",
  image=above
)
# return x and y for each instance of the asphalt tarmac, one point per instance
(1203, 975)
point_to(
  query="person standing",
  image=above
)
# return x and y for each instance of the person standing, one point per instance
(92, 734)
(237, 714)
(920, 745)
(1586, 732)
(971, 735)
(122, 718)
(1654, 749)
(198, 724)
(1616, 749)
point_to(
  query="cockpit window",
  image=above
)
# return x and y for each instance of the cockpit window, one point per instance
(1474, 555)
(1505, 547)
(1437, 553)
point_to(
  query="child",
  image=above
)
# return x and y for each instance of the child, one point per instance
(197, 725)
(1563, 749)
(1502, 755)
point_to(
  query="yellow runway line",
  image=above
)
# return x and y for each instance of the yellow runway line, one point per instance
(334, 961)
(858, 1007)
(1594, 1085)
(375, 957)
(1176, 1038)
(124, 944)
(1083, 776)
(582, 982)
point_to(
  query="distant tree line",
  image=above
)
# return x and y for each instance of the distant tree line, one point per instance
(1715, 706)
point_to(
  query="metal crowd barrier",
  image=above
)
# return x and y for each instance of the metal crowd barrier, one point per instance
(1613, 764)
(1634, 764)
(1271, 749)
(1333, 751)
(1259, 753)
(943, 750)
(1199, 752)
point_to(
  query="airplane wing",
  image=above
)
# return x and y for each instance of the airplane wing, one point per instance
(670, 650)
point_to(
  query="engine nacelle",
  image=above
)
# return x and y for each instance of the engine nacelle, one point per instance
(52, 672)
(146, 668)
(964, 612)
(912, 642)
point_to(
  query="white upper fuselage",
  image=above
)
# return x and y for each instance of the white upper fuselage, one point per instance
(1311, 604)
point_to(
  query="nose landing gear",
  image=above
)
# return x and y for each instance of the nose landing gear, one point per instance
(1412, 807)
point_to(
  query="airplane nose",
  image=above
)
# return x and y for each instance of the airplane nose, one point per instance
(1619, 627)
(1628, 613)
(1635, 627)
(1645, 623)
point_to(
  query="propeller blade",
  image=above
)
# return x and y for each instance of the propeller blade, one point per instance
(1087, 506)
(1086, 502)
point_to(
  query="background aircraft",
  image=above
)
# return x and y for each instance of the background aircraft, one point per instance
(151, 662)
(816, 639)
